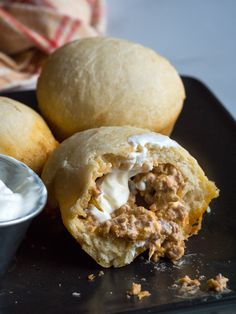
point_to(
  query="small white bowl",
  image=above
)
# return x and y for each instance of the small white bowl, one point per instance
(20, 179)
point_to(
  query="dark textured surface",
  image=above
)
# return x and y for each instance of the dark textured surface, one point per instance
(50, 266)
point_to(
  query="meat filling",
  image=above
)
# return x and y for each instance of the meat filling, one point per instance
(154, 213)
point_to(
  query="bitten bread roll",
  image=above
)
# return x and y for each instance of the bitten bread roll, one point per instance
(98, 81)
(125, 190)
(24, 134)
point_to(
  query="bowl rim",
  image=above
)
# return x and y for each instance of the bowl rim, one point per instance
(41, 200)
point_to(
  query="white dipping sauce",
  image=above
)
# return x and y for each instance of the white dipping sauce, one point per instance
(114, 187)
(11, 204)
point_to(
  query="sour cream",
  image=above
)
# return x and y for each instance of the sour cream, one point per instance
(11, 204)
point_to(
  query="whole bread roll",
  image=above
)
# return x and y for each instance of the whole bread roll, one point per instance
(98, 81)
(125, 190)
(24, 134)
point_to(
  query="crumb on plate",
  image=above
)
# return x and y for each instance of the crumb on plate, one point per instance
(186, 285)
(135, 290)
(101, 273)
(189, 283)
(217, 284)
(143, 294)
(91, 277)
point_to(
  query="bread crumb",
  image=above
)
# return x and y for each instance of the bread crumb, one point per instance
(76, 294)
(187, 285)
(143, 294)
(101, 273)
(187, 282)
(91, 277)
(136, 291)
(217, 284)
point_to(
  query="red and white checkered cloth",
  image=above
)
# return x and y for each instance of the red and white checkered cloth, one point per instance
(32, 29)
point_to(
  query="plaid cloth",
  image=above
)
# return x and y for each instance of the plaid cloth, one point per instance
(32, 29)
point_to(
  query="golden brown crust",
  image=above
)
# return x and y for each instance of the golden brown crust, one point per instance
(24, 134)
(97, 82)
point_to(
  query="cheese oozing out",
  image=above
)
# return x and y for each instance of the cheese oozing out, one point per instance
(114, 186)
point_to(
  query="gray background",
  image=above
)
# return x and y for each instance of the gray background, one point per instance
(197, 36)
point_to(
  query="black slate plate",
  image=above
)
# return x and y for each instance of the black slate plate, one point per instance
(50, 266)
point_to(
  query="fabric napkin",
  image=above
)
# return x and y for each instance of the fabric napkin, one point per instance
(32, 29)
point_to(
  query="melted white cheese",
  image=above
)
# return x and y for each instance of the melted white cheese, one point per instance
(141, 141)
(101, 216)
(154, 139)
(11, 204)
(114, 187)
(114, 193)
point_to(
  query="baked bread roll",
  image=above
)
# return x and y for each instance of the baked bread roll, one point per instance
(24, 134)
(99, 81)
(125, 190)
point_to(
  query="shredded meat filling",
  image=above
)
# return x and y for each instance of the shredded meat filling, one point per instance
(155, 213)
(135, 223)
(161, 189)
